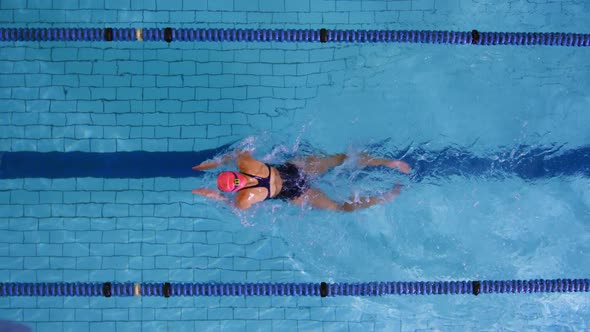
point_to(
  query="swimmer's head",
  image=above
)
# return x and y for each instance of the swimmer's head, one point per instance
(231, 181)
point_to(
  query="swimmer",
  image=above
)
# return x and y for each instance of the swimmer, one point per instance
(257, 181)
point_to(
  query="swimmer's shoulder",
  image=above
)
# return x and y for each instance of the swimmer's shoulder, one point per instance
(249, 196)
(247, 164)
(242, 203)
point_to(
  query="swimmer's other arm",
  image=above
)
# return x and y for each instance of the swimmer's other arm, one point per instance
(211, 193)
(221, 161)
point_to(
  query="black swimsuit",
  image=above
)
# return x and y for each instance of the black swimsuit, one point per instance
(294, 182)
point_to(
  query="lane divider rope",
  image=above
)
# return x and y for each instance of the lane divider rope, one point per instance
(323, 289)
(473, 37)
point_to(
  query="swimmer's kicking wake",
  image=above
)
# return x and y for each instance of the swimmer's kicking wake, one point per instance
(257, 181)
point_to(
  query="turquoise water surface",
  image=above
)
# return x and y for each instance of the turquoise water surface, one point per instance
(497, 138)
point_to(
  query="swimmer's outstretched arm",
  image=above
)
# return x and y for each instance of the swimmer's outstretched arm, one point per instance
(211, 193)
(221, 161)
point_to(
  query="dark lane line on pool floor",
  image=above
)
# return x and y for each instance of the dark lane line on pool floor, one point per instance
(523, 162)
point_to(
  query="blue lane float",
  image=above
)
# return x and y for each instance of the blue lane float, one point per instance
(114, 289)
(473, 37)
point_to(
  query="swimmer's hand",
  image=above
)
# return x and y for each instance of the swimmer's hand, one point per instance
(392, 194)
(211, 193)
(402, 166)
(206, 165)
(220, 161)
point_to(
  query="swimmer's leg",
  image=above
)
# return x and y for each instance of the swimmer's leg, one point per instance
(316, 165)
(319, 200)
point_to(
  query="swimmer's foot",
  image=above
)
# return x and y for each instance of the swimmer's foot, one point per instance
(365, 202)
(402, 166)
(389, 196)
(367, 160)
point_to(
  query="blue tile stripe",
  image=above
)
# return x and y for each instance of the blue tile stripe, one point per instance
(531, 163)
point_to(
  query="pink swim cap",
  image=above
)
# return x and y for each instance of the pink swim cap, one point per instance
(231, 181)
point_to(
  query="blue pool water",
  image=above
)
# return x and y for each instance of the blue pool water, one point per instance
(97, 141)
